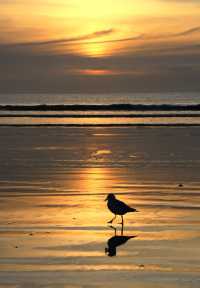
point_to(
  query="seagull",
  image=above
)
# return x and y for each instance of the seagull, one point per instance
(117, 207)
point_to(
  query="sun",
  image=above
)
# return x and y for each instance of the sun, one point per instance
(94, 49)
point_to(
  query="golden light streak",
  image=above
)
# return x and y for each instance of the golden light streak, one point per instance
(96, 179)
(96, 72)
(104, 72)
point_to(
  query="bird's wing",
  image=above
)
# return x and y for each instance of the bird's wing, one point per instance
(123, 207)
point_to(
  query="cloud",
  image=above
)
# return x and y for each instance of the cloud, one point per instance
(148, 37)
(162, 66)
(134, 38)
(84, 39)
(93, 35)
(189, 31)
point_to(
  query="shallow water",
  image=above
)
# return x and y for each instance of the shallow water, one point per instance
(53, 216)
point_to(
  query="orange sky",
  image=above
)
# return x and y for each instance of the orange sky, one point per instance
(99, 29)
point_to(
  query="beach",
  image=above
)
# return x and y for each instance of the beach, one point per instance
(53, 217)
(99, 144)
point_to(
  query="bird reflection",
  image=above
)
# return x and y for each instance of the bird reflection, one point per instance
(116, 241)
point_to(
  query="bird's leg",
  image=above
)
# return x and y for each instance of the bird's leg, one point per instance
(122, 220)
(122, 223)
(122, 229)
(112, 219)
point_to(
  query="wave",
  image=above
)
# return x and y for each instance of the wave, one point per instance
(175, 115)
(103, 107)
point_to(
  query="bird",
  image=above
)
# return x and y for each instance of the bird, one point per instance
(118, 207)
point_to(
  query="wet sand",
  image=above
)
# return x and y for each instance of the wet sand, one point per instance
(53, 217)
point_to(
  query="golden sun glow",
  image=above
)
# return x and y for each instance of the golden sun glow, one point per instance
(96, 179)
(93, 49)
(95, 72)
(92, 27)
(98, 72)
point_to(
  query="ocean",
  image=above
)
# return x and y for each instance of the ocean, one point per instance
(100, 109)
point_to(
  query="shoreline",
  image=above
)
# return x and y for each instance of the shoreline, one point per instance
(105, 125)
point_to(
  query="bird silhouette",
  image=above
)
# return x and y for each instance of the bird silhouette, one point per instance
(116, 241)
(117, 207)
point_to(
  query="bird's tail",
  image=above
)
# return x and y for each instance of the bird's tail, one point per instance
(134, 236)
(133, 210)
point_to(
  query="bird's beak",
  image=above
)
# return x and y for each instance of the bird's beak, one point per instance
(106, 198)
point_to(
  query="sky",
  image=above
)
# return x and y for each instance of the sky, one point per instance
(92, 46)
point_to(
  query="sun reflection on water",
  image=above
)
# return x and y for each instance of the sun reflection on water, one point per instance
(96, 179)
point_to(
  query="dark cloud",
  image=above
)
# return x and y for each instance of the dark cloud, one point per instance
(97, 34)
(161, 66)
(134, 38)
(93, 35)
(189, 31)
